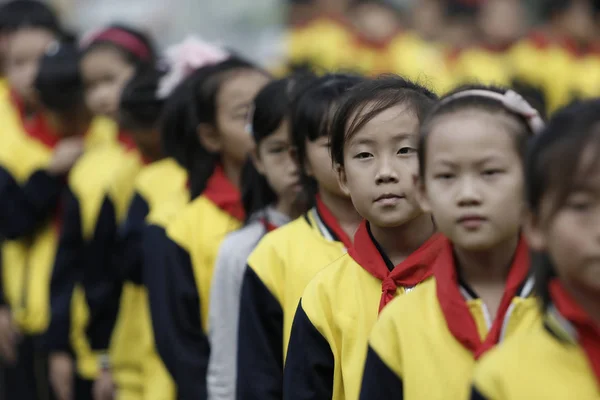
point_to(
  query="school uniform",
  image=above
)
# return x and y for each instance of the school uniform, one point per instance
(278, 271)
(182, 261)
(32, 219)
(131, 341)
(82, 253)
(425, 343)
(328, 343)
(225, 294)
(558, 359)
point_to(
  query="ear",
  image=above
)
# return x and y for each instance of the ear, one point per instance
(534, 232)
(421, 194)
(258, 164)
(209, 138)
(342, 179)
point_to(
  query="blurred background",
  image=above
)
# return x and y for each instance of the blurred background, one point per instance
(548, 47)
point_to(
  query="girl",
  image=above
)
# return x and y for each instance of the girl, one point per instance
(471, 179)
(286, 260)
(393, 250)
(559, 358)
(270, 190)
(207, 116)
(110, 58)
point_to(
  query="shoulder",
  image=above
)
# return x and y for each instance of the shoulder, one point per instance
(239, 244)
(159, 171)
(277, 241)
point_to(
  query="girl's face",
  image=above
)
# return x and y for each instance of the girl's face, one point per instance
(274, 160)
(380, 163)
(571, 234)
(473, 181)
(233, 104)
(23, 52)
(105, 73)
(318, 165)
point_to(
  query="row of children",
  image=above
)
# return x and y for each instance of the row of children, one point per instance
(447, 43)
(145, 255)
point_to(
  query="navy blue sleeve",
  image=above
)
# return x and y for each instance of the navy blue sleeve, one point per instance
(128, 252)
(379, 382)
(260, 342)
(65, 274)
(309, 365)
(476, 394)
(175, 309)
(101, 281)
(24, 208)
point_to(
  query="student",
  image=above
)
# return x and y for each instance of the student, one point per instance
(373, 143)
(32, 184)
(287, 259)
(558, 358)
(471, 179)
(270, 192)
(207, 114)
(110, 57)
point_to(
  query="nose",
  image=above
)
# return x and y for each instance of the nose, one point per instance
(468, 192)
(386, 173)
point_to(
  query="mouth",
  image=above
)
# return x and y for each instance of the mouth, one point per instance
(388, 199)
(471, 221)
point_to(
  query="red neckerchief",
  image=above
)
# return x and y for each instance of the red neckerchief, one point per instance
(332, 223)
(454, 307)
(588, 332)
(268, 225)
(35, 126)
(413, 270)
(224, 194)
(126, 141)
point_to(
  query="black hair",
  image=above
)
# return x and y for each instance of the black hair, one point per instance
(58, 81)
(140, 106)
(553, 168)
(521, 136)
(368, 99)
(129, 56)
(193, 102)
(18, 14)
(311, 114)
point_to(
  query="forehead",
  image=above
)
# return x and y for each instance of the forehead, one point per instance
(30, 40)
(241, 86)
(470, 136)
(394, 121)
(101, 59)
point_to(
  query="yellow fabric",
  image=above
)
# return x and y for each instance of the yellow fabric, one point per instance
(482, 66)
(413, 340)
(344, 321)
(28, 261)
(284, 265)
(199, 228)
(536, 365)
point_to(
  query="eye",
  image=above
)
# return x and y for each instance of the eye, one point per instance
(579, 203)
(491, 172)
(443, 176)
(406, 150)
(362, 155)
(277, 150)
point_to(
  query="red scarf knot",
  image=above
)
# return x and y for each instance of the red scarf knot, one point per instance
(224, 194)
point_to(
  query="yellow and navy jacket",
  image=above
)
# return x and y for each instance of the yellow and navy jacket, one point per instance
(180, 266)
(278, 271)
(32, 218)
(328, 343)
(425, 344)
(558, 359)
(82, 253)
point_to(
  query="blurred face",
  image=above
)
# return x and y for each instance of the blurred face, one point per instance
(502, 20)
(380, 163)
(274, 160)
(105, 73)
(318, 165)
(473, 181)
(24, 49)
(233, 104)
(148, 142)
(578, 20)
(571, 236)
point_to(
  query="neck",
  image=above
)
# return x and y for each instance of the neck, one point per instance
(586, 299)
(487, 266)
(343, 210)
(288, 205)
(399, 242)
(233, 171)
